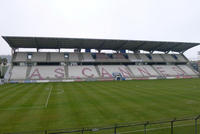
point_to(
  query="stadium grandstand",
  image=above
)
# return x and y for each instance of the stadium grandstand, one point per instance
(126, 63)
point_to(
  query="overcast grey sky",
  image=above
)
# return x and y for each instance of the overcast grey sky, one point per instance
(161, 20)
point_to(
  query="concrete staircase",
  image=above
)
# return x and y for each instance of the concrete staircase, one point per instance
(8, 74)
(160, 75)
(66, 71)
(80, 57)
(161, 55)
(48, 58)
(138, 56)
(28, 71)
(98, 72)
(130, 70)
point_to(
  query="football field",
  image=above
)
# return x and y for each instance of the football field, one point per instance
(44, 106)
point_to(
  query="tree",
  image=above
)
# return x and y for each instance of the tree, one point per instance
(4, 61)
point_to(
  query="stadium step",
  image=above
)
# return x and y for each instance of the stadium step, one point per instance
(8, 73)
(28, 72)
(137, 56)
(185, 57)
(48, 57)
(160, 75)
(97, 69)
(130, 70)
(66, 71)
(80, 57)
(183, 70)
(193, 70)
(14, 57)
(163, 58)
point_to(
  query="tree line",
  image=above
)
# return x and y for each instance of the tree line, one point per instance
(3, 61)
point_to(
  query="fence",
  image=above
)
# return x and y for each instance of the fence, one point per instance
(189, 125)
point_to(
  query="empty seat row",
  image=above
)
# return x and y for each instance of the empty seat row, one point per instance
(47, 72)
(18, 73)
(169, 70)
(91, 57)
(100, 71)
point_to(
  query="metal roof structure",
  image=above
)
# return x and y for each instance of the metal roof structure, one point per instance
(99, 44)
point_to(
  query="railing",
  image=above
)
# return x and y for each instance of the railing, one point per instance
(173, 126)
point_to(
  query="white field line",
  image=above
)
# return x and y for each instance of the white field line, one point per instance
(47, 101)
(153, 129)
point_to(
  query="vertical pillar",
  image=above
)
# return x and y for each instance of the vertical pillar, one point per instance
(196, 124)
(172, 127)
(145, 127)
(115, 129)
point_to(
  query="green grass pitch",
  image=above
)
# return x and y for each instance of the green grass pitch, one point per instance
(27, 107)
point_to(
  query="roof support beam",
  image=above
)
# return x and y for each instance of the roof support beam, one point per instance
(101, 45)
(139, 46)
(121, 46)
(36, 44)
(57, 44)
(166, 52)
(170, 48)
(156, 47)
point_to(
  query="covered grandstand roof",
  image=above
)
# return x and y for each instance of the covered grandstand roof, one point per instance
(83, 43)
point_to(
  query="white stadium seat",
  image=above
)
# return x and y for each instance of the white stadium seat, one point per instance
(102, 56)
(157, 58)
(169, 58)
(143, 71)
(144, 58)
(119, 56)
(106, 71)
(54, 72)
(187, 70)
(82, 72)
(73, 57)
(181, 58)
(39, 57)
(169, 70)
(133, 58)
(20, 56)
(18, 73)
(57, 57)
(87, 57)
(47, 72)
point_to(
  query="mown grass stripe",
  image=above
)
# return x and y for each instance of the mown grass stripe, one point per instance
(10, 91)
(25, 114)
(83, 104)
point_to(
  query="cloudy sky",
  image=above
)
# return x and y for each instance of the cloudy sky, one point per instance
(161, 20)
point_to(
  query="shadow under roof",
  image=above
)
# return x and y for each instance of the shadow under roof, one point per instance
(100, 44)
